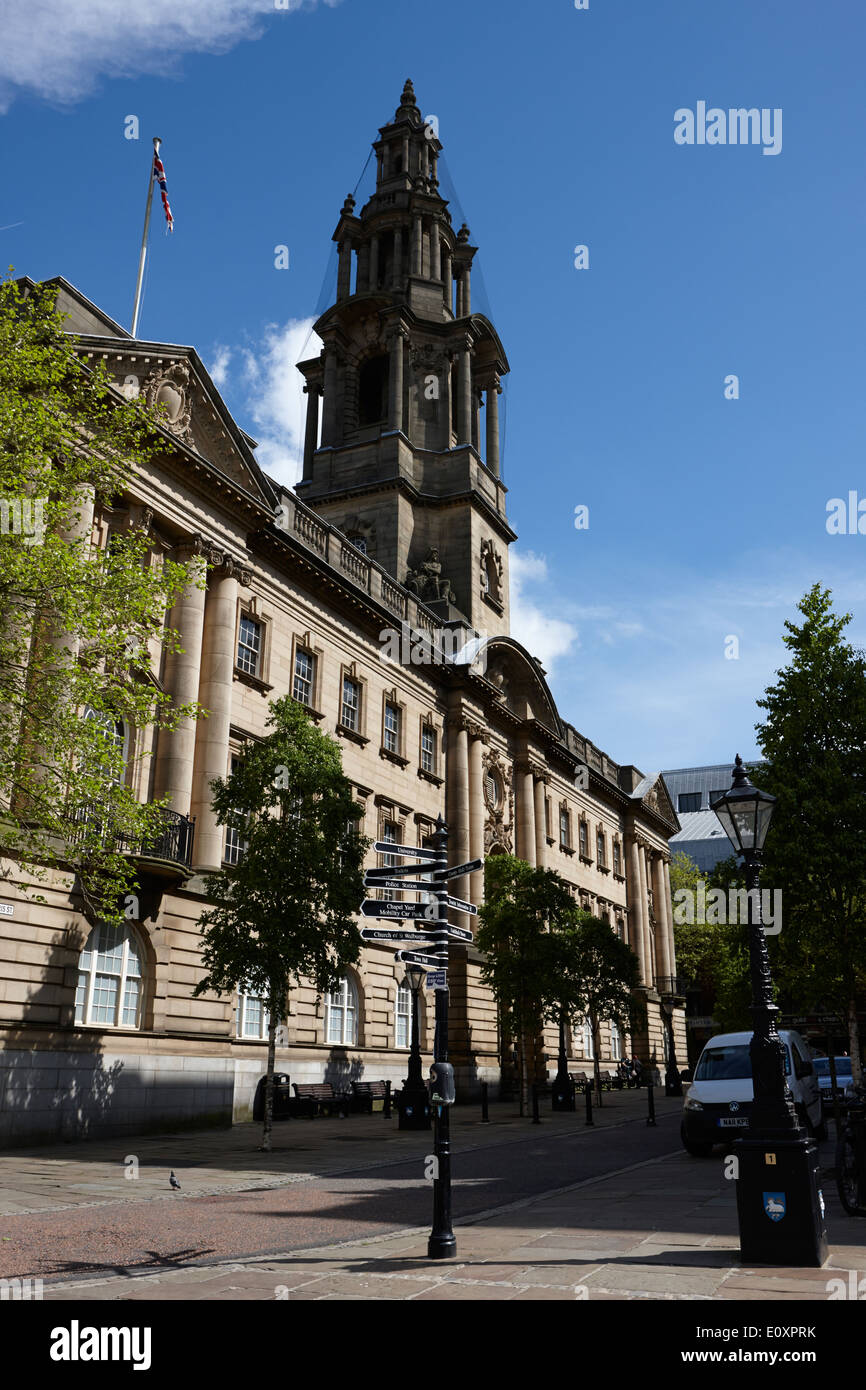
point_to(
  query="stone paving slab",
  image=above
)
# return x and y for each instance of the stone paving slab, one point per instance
(560, 1247)
(209, 1162)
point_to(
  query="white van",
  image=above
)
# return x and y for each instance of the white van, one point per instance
(719, 1101)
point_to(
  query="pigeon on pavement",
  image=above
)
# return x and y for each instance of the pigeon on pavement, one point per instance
(174, 1182)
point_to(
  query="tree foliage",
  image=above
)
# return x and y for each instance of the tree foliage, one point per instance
(814, 741)
(80, 626)
(287, 909)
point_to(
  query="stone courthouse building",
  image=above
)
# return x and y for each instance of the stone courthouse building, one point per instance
(394, 545)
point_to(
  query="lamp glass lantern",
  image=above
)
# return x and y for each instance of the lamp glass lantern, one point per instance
(415, 976)
(745, 812)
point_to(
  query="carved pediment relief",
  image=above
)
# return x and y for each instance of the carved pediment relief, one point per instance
(498, 791)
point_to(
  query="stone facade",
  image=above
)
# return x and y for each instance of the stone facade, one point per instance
(397, 535)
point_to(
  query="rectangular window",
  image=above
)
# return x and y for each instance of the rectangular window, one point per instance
(390, 834)
(689, 801)
(302, 689)
(714, 796)
(235, 841)
(350, 708)
(249, 646)
(428, 749)
(547, 816)
(617, 857)
(564, 828)
(392, 728)
(404, 1016)
(584, 843)
(599, 847)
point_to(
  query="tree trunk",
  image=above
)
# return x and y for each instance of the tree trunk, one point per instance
(596, 1069)
(269, 1084)
(522, 1070)
(854, 1042)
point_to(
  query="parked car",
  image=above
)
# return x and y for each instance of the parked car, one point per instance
(844, 1076)
(719, 1101)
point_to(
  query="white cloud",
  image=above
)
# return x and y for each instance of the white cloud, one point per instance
(219, 370)
(275, 398)
(544, 636)
(59, 49)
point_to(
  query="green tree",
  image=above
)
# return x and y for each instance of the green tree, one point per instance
(523, 909)
(814, 741)
(80, 626)
(287, 909)
(597, 974)
(712, 955)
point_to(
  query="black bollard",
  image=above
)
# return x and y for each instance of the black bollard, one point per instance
(485, 1117)
(651, 1105)
(536, 1118)
(387, 1107)
(589, 1119)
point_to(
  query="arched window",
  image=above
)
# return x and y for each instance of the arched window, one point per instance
(341, 1014)
(111, 978)
(403, 1015)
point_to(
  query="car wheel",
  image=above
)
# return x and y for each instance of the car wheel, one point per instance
(694, 1147)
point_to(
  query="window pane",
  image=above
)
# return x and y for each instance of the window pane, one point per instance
(249, 645)
(80, 996)
(303, 683)
(131, 1001)
(349, 716)
(109, 949)
(105, 993)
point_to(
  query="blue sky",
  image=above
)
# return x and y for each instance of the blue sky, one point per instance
(706, 515)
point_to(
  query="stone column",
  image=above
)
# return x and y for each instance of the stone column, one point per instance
(663, 955)
(373, 282)
(464, 392)
(416, 244)
(215, 694)
(540, 835)
(492, 459)
(637, 939)
(435, 258)
(672, 952)
(395, 389)
(329, 418)
(405, 154)
(467, 290)
(457, 800)
(476, 798)
(344, 273)
(363, 280)
(448, 289)
(397, 264)
(311, 434)
(525, 814)
(649, 954)
(175, 752)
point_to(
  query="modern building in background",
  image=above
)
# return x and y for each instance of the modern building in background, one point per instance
(691, 790)
(399, 527)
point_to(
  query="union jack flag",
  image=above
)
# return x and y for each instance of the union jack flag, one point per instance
(159, 175)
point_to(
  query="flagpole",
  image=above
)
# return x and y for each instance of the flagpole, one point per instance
(136, 309)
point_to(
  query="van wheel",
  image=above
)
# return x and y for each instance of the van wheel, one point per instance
(696, 1149)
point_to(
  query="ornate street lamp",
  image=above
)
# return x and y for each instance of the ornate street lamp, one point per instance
(779, 1202)
(415, 1097)
(673, 1084)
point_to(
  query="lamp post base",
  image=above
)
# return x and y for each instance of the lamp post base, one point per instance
(780, 1205)
(414, 1108)
(562, 1095)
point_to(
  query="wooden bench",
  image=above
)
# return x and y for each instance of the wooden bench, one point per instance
(369, 1096)
(319, 1096)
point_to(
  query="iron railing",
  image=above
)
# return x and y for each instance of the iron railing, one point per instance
(172, 841)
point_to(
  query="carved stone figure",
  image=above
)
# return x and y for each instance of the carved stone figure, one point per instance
(428, 582)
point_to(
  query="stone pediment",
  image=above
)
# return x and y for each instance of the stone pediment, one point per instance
(653, 793)
(178, 391)
(519, 680)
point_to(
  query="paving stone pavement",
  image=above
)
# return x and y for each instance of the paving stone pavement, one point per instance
(662, 1229)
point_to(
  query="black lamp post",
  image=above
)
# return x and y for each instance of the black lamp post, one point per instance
(779, 1202)
(673, 1084)
(563, 1086)
(414, 1097)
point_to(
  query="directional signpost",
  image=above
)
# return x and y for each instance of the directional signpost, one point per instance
(427, 872)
